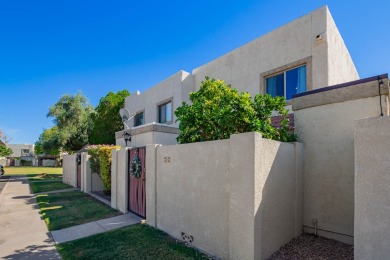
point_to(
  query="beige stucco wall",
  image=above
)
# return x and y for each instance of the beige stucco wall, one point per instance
(151, 133)
(96, 182)
(245, 68)
(193, 193)
(149, 138)
(295, 41)
(119, 180)
(340, 65)
(372, 188)
(176, 87)
(238, 198)
(3, 162)
(48, 163)
(324, 123)
(280, 206)
(85, 173)
(69, 170)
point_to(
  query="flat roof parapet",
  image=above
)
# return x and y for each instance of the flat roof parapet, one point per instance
(150, 127)
(363, 88)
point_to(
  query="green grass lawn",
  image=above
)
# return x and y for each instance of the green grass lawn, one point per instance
(132, 242)
(31, 170)
(66, 209)
(44, 186)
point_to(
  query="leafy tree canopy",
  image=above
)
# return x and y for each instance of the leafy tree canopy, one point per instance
(48, 142)
(107, 120)
(218, 111)
(72, 116)
(5, 151)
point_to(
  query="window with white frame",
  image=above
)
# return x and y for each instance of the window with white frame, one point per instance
(165, 112)
(25, 151)
(287, 83)
(139, 119)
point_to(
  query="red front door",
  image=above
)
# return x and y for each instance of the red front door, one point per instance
(137, 200)
(78, 170)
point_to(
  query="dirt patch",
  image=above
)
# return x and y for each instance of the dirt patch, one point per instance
(308, 246)
(45, 176)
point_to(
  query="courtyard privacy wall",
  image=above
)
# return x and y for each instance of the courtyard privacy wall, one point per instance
(69, 172)
(239, 198)
(372, 188)
(89, 181)
(324, 123)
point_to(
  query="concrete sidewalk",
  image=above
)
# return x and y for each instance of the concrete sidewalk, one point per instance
(23, 233)
(95, 227)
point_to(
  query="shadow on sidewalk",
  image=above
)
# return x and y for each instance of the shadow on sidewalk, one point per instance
(35, 252)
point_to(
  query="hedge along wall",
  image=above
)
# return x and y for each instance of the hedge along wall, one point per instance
(100, 163)
(239, 198)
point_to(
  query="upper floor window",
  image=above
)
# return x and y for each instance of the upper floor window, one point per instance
(165, 112)
(25, 151)
(287, 83)
(139, 119)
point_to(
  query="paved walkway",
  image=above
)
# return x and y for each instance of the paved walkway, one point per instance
(56, 191)
(92, 228)
(23, 233)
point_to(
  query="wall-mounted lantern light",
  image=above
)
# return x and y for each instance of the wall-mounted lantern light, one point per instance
(127, 137)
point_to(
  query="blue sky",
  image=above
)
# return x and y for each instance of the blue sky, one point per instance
(50, 48)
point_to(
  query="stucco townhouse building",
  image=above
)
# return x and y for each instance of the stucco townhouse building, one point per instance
(305, 54)
(314, 185)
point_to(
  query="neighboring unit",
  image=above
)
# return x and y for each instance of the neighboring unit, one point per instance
(23, 154)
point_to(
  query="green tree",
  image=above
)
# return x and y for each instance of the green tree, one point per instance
(218, 111)
(48, 142)
(5, 151)
(72, 116)
(107, 120)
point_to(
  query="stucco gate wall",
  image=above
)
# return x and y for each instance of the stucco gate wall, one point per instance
(69, 170)
(372, 188)
(324, 123)
(236, 199)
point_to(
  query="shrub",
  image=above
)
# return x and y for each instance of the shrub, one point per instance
(94, 161)
(100, 163)
(26, 163)
(218, 111)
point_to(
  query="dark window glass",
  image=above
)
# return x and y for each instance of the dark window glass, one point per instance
(165, 113)
(275, 85)
(139, 119)
(295, 83)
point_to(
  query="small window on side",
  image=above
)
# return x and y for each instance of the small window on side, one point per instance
(288, 83)
(139, 119)
(165, 113)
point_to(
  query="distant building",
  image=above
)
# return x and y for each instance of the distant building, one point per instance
(23, 154)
